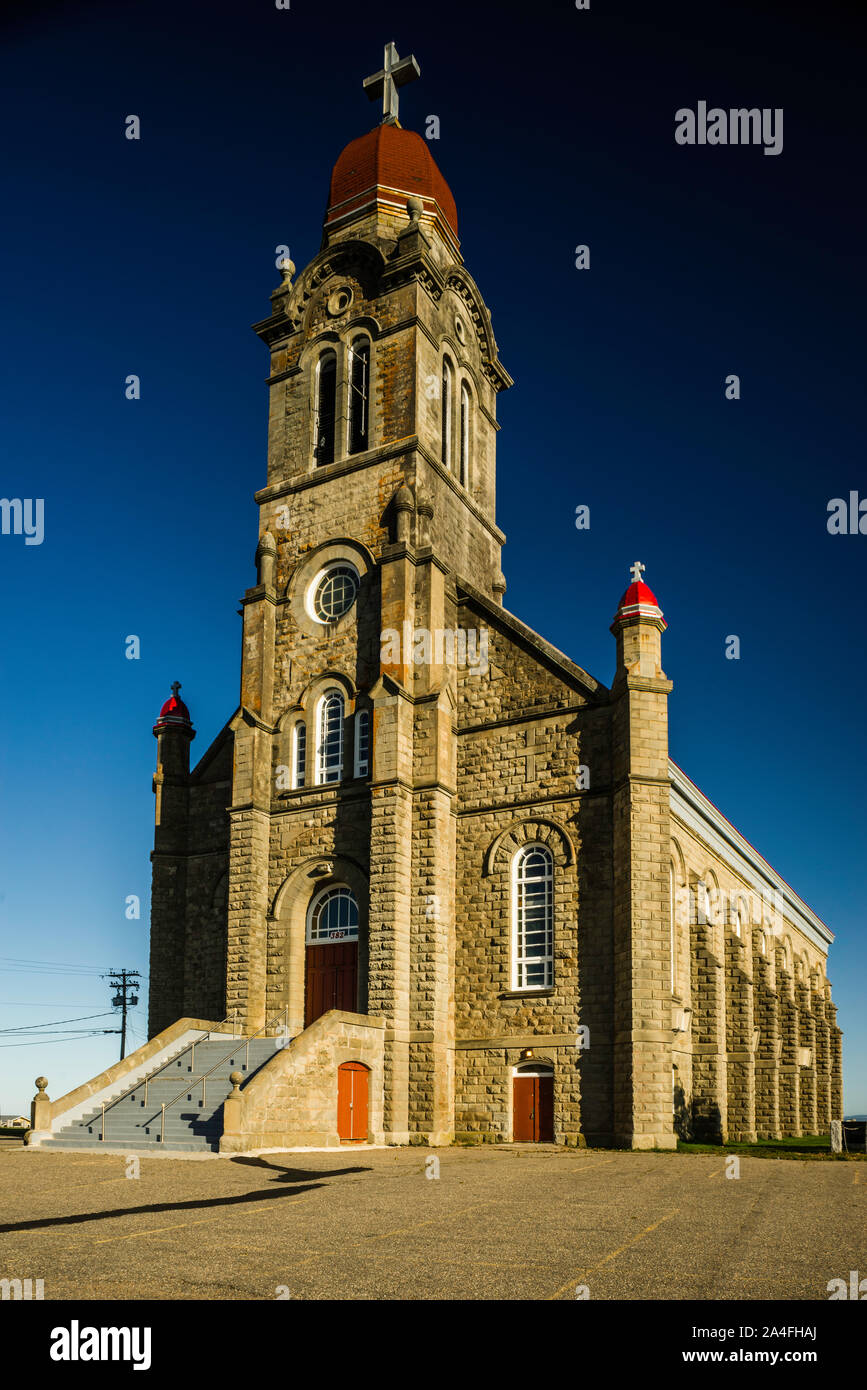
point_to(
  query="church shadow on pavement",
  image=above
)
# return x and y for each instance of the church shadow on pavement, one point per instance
(295, 1178)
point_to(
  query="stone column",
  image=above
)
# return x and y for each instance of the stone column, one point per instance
(824, 1114)
(790, 1107)
(740, 1025)
(643, 1106)
(391, 870)
(766, 1006)
(836, 1063)
(169, 872)
(709, 1085)
(807, 1074)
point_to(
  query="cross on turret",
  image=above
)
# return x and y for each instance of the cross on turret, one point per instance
(176, 685)
(637, 570)
(395, 72)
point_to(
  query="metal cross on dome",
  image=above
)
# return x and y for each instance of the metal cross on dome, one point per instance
(395, 72)
(176, 685)
(637, 570)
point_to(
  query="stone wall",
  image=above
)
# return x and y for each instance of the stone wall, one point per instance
(292, 1100)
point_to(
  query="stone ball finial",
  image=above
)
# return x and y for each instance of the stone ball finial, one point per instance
(236, 1077)
(41, 1083)
(415, 208)
(287, 270)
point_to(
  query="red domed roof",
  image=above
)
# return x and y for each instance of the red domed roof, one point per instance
(174, 706)
(175, 715)
(638, 593)
(639, 601)
(392, 159)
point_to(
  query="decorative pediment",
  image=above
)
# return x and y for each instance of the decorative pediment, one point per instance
(354, 261)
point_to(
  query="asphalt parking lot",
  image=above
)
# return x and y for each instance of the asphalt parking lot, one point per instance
(497, 1223)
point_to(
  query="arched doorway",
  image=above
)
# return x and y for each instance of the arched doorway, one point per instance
(533, 1104)
(331, 975)
(352, 1099)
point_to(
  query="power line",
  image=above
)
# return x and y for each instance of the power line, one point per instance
(46, 1042)
(55, 1022)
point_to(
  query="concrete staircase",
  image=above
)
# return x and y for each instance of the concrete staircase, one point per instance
(191, 1125)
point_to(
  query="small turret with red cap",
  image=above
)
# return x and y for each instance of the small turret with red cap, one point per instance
(638, 626)
(174, 715)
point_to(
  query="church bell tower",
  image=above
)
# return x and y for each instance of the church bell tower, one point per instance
(380, 493)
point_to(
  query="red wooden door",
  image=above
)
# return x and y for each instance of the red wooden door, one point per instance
(332, 979)
(545, 1109)
(533, 1109)
(352, 1102)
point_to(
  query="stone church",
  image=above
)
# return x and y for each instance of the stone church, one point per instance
(431, 856)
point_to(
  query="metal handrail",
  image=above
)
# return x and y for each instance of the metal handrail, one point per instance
(167, 1105)
(230, 1018)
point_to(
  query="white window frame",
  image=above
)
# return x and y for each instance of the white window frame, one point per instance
(313, 588)
(330, 351)
(672, 915)
(448, 405)
(350, 933)
(362, 765)
(336, 772)
(521, 962)
(360, 340)
(299, 729)
(465, 408)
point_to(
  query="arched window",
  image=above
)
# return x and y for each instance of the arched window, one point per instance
(763, 944)
(703, 911)
(465, 435)
(672, 926)
(533, 918)
(326, 406)
(329, 738)
(359, 393)
(299, 754)
(362, 743)
(447, 406)
(333, 916)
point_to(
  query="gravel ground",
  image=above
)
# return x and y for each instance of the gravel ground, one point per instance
(498, 1223)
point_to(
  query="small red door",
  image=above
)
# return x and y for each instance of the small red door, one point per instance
(533, 1109)
(352, 1103)
(332, 979)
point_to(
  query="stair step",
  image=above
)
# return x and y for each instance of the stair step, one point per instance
(189, 1124)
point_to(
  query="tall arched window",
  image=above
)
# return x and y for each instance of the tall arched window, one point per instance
(465, 435)
(326, 406)
(533, 918)
(299, 754)
(362, 743)
(359, 393)
(447, 407)
(672, 926)
(329, 738)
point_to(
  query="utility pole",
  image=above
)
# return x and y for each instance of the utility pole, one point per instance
(123, 982)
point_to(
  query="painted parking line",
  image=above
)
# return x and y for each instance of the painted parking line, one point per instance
(180, 1225)
(578, 1278)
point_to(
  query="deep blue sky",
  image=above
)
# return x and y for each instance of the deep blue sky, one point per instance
(557, 128)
